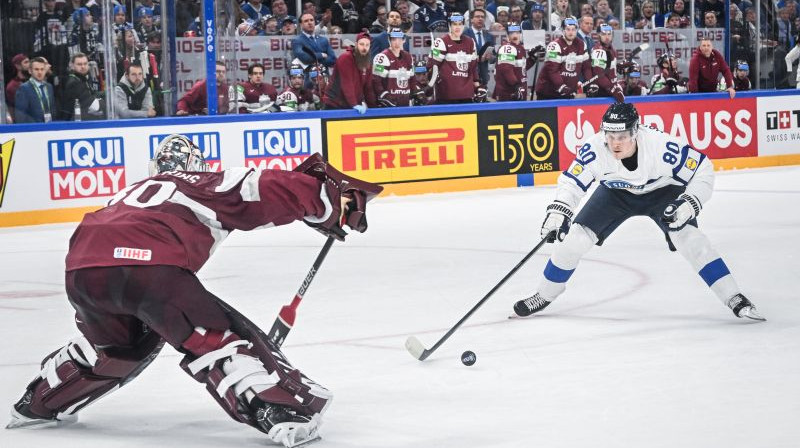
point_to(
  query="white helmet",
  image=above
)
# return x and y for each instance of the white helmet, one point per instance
(177, 152)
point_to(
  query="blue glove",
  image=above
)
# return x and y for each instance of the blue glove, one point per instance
(360, 108)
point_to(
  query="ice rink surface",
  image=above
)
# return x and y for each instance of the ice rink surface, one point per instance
(637, 353)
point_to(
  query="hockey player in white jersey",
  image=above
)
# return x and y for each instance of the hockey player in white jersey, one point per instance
(641, 172)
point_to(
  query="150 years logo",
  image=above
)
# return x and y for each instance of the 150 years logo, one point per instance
(518, 141)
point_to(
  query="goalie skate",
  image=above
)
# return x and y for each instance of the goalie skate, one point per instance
(19, 420)
(284, 425)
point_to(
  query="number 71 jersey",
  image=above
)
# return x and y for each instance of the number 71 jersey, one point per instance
(662, 160)
(179, 218)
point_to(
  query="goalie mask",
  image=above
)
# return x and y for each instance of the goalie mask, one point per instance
(177, 153)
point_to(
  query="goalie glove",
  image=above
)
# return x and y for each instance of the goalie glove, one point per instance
(384, 100)
(556, 223)
(679, 212)
(480, 95)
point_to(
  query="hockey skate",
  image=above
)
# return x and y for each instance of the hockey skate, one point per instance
(284, 425)
(531, 305)
(742, 307)
(22, 417)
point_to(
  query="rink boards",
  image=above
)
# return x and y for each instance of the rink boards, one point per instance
(59, 171)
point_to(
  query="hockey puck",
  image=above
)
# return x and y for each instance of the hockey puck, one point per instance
(468, 358)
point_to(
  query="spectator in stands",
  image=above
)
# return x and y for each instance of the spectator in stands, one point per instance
(289, 27)
(50, 33)
(516, 15)
(604, 11)
(672, 22)
(705, 68)
(126, 51)
(502, 16)
(489, 20)
(35, 100)
(85, 37)
(155, 8)
(715, 6)
(586, 26)
(132, 97)
(648, 19)
(561, 11)
(477, 31)
(146, 24)
(120, 21)
(786, 29)
(379, 24)
(253, 95)
(255, 9)
(195, 101)
(381, 41)
(430, 16)
(629, 22)
(351, 83)
(310, 48)
(80, 90)
(614, 23)
(535, 17)
(586, 9)
(710, 20)
(280, 11)
(345, 16)
(21, 66)
(271, 26)
(311, 8)
(459, 6)
(792, 56)
(679, 12)
(369, 13)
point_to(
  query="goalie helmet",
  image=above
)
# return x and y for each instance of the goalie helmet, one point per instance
(177, 153)
(620, 117)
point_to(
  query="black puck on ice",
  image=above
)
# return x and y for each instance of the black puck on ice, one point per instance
(468, 358)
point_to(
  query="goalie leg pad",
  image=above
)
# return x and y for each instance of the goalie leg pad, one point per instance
(76, 375)
(239, 373)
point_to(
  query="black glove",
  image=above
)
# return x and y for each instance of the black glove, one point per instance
(384, 100)
(536, 53)
(566, 92)
(672, 82)
(625, 67)
(591, 89)
(521, 94)
(418, 96)
(480, 95)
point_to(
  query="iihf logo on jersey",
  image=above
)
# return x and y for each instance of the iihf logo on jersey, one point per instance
(281, 149)
(85, 168)
(208, 142)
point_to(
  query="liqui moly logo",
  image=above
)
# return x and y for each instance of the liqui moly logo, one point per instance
(282, 149)
(208, 142)
(86, 168)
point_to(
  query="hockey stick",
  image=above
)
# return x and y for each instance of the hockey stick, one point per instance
(285, 320)
(415, 347)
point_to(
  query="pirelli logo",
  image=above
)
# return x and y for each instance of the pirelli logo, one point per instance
(405, 149)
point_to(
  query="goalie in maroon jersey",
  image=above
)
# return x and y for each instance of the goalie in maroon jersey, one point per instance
(130, 275)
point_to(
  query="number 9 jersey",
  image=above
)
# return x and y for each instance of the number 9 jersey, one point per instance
(178, 218)
(662, 160)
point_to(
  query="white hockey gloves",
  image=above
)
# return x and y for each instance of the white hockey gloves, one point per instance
(681, 211)
(556, 223)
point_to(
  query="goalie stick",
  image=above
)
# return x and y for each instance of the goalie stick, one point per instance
(415, 347)
(285, 320)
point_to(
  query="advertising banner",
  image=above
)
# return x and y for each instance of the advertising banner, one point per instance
(86, 167)
(518, 141)
(401, 149)
(779, 125)
(720, 129)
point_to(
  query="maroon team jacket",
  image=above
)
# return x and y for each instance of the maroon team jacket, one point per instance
(179, 218)
(704, 72)
(195, 99)
(349, 86)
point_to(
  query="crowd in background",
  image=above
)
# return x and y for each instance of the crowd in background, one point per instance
(54, 51)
